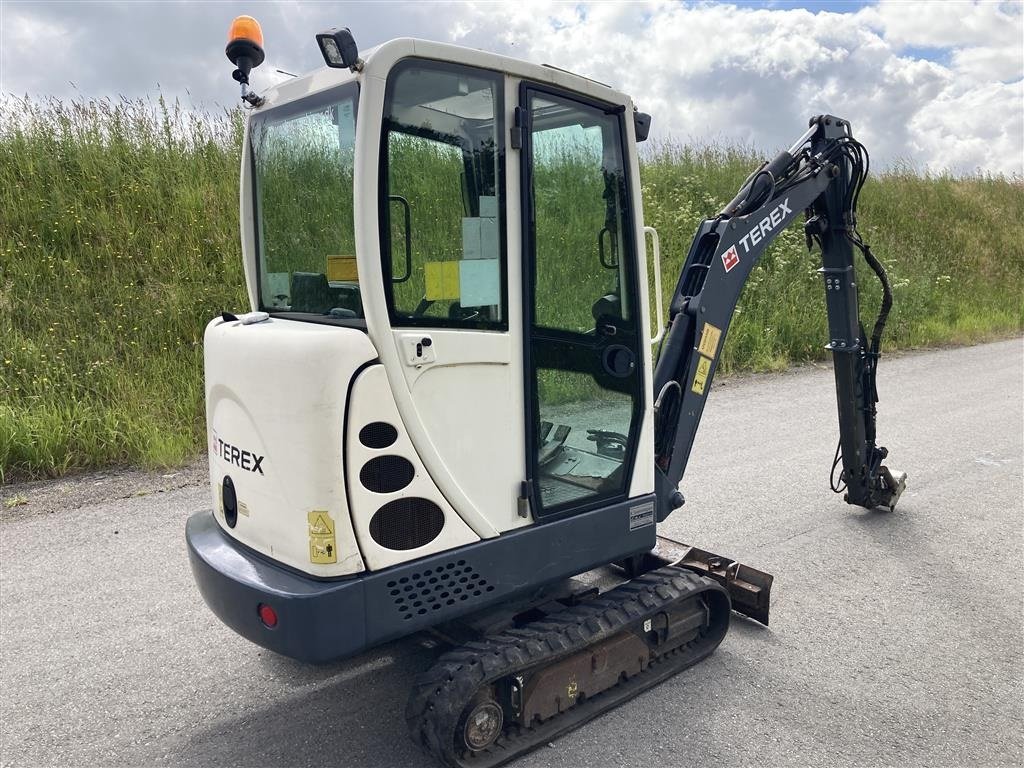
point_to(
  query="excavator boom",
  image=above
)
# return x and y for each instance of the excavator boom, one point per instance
(820, 175)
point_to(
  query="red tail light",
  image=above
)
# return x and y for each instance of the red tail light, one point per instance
(267, 615)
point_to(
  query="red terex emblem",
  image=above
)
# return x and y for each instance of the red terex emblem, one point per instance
(730, 259)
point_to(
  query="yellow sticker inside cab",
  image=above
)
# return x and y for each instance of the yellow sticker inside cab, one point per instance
(322, 547)
(442, 280)
(342, 269)
(709, 338)
(700, 378)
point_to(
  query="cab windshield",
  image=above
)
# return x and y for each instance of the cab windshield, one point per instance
(302, 156)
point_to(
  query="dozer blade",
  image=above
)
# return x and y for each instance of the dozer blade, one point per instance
(749, 588)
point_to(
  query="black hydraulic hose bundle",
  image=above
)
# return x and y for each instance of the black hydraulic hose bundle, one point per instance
(860, 162)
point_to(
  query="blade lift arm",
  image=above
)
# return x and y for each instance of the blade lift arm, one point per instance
(820, 175)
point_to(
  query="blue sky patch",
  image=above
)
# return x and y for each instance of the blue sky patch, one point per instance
(943, 56)
(814, 6)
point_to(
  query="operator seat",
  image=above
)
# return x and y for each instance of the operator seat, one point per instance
(310, 292)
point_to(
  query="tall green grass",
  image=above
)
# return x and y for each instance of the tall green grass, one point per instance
(119, 240)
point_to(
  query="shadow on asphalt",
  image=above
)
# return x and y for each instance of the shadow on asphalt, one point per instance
(748, 627)
(351, 713)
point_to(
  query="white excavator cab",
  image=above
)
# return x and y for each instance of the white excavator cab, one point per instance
(448, 247)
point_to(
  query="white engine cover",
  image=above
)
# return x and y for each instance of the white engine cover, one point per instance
(276, 394)
(372, 403)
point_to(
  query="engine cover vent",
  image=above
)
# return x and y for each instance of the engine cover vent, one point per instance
(406, 523)
(437, 588)
(387, 474)
(378, 434)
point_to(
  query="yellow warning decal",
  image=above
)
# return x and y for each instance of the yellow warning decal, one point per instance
(709, 340)
(572, 689)
(320, 523)
(342, 269)
(700, 379)
(322, 547)
(442, 278)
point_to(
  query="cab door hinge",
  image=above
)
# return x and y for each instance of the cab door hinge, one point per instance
(518, 129)
(523, 502)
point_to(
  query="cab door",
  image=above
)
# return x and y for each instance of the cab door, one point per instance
(442, 206)
(582, 316)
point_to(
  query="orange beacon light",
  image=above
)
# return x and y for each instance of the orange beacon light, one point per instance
(245, 28)
(245, 51)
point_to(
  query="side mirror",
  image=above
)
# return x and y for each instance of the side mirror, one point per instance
(641, 125)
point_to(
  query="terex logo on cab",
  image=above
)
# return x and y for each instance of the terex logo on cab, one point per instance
(232, 454)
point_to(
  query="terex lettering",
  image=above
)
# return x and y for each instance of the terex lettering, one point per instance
(232, 454)
(766, 225)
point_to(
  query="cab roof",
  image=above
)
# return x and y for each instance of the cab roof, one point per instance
(379, 60)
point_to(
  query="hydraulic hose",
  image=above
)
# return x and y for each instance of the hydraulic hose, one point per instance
(760, 187)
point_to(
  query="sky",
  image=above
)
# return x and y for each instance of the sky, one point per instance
(931, 84)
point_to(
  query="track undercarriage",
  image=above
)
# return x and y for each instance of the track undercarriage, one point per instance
(514, 682)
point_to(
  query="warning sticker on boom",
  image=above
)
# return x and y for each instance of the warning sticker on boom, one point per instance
(322, 547)
(700, 379)
(709, 340)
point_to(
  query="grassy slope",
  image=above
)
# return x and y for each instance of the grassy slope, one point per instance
(118, 241)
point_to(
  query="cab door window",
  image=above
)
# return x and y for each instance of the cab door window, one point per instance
(583, 343)
(442, 197)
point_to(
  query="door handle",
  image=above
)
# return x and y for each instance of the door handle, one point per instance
(419, 350)
(408, 237)
(618, 361)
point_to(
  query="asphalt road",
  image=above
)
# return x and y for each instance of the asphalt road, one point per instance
(896, 639)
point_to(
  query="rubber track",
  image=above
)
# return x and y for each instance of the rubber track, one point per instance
(439, 695)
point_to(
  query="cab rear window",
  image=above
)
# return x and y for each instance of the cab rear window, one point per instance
(303, 161)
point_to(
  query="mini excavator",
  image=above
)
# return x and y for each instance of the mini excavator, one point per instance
(446, 402)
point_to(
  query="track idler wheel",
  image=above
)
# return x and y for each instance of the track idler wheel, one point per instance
(481, 724)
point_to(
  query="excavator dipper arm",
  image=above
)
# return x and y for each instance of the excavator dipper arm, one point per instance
(820, 175)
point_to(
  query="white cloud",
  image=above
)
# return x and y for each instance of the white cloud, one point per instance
(945, 23)
(979, 127)
(706, 71)
(986, 64)
(755, 75)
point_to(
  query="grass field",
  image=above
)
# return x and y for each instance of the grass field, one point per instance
(119, 240)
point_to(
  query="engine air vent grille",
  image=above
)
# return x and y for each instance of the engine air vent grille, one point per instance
(437, 588)
(406, 523)
(378, 434)
(386, 474)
